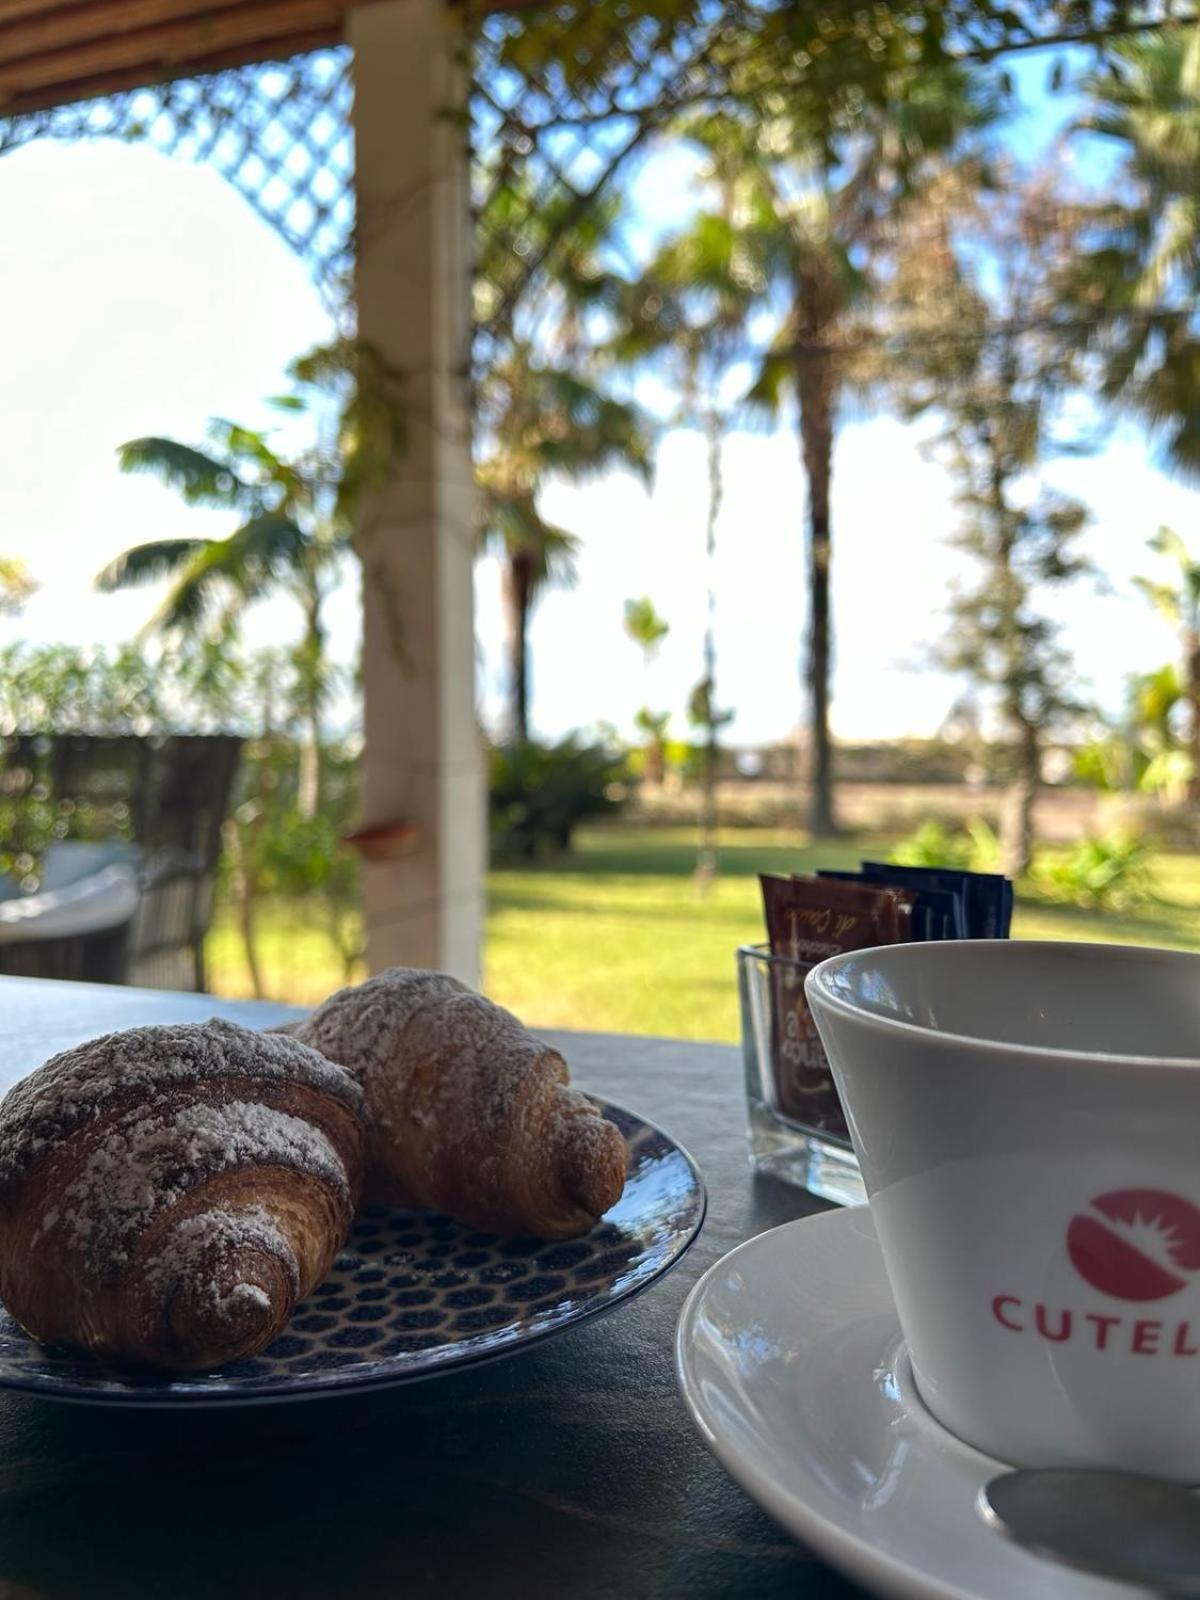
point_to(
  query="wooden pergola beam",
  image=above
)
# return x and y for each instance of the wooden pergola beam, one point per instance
(54, 52)
(93, 87)
(29, 29)
(66, 53)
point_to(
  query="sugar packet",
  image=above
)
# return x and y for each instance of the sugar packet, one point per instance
(987, 897)
(936, 913)
(809, 919)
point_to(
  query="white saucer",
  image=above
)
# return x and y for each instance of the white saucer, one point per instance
(791, 1361)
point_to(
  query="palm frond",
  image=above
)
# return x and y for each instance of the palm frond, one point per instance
(537, 419)
(228, 574)
(273, 478)
(509, 523)
(514, 528)
(201, 479)
(203, 591)
(149, 563)
(557, 555)
(268, 548)
(1161, 596)
(774, 376)
(644, 625)
(1166, 542)
(213, 578)
(16, 585)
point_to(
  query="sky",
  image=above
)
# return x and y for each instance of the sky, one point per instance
(141, 294)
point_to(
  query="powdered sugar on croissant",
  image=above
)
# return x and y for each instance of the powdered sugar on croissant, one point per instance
(168, 1194)
(468, 1112)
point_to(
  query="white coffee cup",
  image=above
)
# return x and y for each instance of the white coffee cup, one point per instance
(1027, 1119)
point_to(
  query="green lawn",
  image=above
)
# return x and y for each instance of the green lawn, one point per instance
(616, 936)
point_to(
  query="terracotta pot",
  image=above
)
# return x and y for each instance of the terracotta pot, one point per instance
(386, 841)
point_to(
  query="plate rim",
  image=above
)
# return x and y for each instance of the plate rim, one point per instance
(343, 1381)
(845, 1549)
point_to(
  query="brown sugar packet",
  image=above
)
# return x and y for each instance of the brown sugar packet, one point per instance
(809, 919)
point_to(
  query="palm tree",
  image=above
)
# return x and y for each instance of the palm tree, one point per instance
(281, 542)
(648, 630)
(645, 627)
(1136, 283)
(535, 420)
(295, 517)
(688, 315)
(810, 229)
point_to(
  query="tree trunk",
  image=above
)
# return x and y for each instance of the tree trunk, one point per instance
(655, 769)
(308, 789)
(350, 950)
(813, 389)
(518, 595)
(242, 891)
(1016, 825)
(705, 869)
(1192, 657)
(706, 859)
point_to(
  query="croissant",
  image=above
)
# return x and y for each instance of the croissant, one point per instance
(467, 1112)
(168, 1194)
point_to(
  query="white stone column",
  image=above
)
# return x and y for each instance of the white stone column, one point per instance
(423, 760)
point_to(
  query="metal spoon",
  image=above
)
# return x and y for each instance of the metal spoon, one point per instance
(1120, 1525)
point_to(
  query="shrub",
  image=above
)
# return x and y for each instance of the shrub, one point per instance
(1109, 872)
(970, 849)
(540, 793)
(272, 850)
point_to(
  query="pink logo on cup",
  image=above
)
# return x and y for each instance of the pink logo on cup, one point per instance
(1135, 1244)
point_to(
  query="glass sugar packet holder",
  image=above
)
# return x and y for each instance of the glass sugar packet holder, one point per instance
(797, 1129)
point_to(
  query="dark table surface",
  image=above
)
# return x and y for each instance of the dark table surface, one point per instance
(570, 1469)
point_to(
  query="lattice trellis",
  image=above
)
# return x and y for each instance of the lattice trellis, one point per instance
(279, 132)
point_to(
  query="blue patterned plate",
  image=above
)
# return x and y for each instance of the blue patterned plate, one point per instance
(414, 1294)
